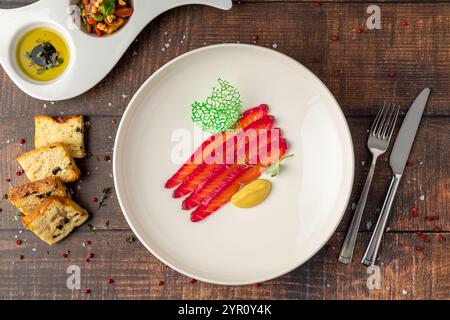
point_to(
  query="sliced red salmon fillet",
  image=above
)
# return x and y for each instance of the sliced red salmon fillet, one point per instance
(238, 176)
(193, 179)
(211, 144)
(208, 185)
(224, 191)
(217, 175)
(242, 139)
(253, 114)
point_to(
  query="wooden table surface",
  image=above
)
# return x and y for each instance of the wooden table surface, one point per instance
(357, 69)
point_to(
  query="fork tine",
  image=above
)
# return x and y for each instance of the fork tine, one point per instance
(383, 122)
(387, 123)
(374, 127)
(392, 126)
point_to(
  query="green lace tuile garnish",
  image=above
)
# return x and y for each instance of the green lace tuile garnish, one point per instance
(220, 111)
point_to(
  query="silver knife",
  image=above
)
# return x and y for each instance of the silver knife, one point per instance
(397, 161)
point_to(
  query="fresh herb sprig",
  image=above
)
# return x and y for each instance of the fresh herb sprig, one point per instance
(105, 194)
(274, 169)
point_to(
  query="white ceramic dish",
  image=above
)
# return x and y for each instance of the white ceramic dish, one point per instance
(83, 72)
(236, 246)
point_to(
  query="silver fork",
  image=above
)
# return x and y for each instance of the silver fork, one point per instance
(379, 137)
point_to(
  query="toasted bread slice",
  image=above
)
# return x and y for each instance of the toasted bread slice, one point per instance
(51, 160)
(68, 130)
(28, 197)
(55, 218)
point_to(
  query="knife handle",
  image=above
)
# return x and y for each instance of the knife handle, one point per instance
(374, 244)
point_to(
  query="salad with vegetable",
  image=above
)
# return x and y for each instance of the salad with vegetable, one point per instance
(104, 16)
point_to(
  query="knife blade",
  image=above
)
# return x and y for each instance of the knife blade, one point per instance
(407, 133)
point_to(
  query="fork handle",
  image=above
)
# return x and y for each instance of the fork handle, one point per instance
(372, 250)
(350, 239)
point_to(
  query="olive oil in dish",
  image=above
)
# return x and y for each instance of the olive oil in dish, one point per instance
(42, 54)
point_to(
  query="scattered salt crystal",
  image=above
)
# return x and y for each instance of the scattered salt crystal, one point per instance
(45, 106)
(404, 292)
(7, 141)
(367, 130)
(124, 96)
(110, 137)
(181, 41)
(163, 49)
(421, 162)
(204, 43)
(135, 53)
(184, 37)
(110, 175)
(353, 206)
(34, 249)
(369, 225)
(170, 40)
(363, 163)
(274, 46)
(422, 197)
(52, 102)
(16, 236)
(61, 113)
(388, 229)
(20, 231)
(109, 104)
(166, 44)
(166, 33)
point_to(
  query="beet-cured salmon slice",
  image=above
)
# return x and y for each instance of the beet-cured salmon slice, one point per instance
(241, 141)
(249, 175)
(253, 114)
(215, 177)
(193, 179)
(204, 189)
(271, 150)
(211, 144)
(189, 165)
(224, 191)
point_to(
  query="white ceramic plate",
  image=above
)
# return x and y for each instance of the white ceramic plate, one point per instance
(236, 246)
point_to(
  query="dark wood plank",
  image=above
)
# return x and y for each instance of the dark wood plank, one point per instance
(19, 3)
(427, 177)
(355, 68)
(405, 272)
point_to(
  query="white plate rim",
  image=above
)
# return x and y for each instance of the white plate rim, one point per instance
(122, 128)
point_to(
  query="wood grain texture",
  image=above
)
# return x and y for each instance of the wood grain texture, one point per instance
(427, 177)
(355, 69)
(405, 272)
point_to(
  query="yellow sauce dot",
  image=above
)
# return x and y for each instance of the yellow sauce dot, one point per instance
(33, 39)
(252, 194)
